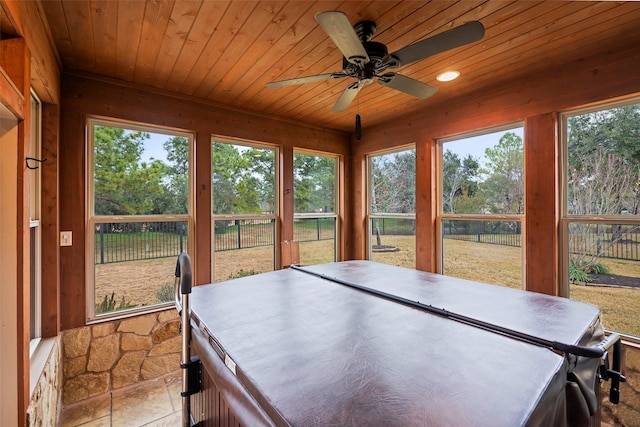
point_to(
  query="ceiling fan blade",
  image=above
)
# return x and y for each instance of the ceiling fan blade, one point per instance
(347, 96)
(308, 79)
(450, 39)
(407, 85)
(336, 24)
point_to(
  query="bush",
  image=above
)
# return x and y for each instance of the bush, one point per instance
(599, 268)
(166, 292)
(241, 273)
(109, 304)
(577, 274)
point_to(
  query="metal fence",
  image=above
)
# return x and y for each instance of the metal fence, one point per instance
(393, 226)
(614, 241)
(118, 242)
(504, 233)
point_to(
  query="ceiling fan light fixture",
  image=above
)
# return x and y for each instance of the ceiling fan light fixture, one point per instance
(447, 76)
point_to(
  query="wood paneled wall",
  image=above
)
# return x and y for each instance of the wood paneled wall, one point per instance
(88, 95)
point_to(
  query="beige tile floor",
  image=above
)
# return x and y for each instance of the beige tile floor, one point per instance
(153, 403)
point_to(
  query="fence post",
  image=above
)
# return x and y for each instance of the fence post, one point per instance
(101, 244)
(238, 233)
(180, 232)
(318, 227)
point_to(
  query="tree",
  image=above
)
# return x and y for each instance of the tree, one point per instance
(460, 191)
(243, 179)
(123, 184)
(175, 197)
(603, 178)
(393, 185)
(313, 183)
(504, 185)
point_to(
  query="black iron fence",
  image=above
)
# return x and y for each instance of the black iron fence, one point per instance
(119, 242)
(504, 233)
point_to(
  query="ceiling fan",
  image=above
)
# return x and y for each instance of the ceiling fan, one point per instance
(365, 60)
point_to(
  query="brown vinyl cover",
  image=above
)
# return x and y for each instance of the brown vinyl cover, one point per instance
(311, 352)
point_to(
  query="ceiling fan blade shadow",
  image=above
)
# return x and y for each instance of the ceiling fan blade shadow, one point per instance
(336, 24)
(407, 85)
(450, 39)
(347, 96)
(308, 79)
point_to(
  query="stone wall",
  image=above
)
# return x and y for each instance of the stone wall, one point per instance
(44, 404)
(107, 356)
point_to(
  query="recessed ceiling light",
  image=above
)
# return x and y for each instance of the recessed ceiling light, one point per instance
(448, 76)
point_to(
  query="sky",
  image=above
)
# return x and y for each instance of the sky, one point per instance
(476, 145)
(153, 147)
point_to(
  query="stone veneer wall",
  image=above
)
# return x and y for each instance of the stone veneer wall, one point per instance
(44, 404)
(107, 356)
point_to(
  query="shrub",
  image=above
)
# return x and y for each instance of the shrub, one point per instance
(241, 273)
(109, 304)
(166, 292)
(599, 268)
(577, 274)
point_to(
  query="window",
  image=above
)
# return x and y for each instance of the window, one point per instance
(392, 208)
(601, 212)
(481, 206)
(244, 209)
(314, 198)
(35, 308)
(139, 215)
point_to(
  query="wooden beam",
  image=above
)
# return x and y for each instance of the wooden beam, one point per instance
(11, 76)
(202, 215)
(541, 209)
(50, 221)
(426, 207)
(29, 19)
(286, 199)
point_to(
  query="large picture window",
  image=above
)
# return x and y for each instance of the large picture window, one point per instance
(244, 209)
(601, 212)
(314, 199)
(392, 208)
(481, 206)
(139, 214)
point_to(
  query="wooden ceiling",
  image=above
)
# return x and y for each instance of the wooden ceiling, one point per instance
(226, 51)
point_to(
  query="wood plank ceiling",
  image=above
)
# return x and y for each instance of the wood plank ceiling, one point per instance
(226, 51)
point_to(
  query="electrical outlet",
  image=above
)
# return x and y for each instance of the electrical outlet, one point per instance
(66, 238)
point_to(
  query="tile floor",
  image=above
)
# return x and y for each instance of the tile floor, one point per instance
(153, 403)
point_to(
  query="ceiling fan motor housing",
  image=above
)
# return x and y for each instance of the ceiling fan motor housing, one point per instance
(377, 52)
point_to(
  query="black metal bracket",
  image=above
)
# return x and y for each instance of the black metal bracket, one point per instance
(614, 374)
(194, 375)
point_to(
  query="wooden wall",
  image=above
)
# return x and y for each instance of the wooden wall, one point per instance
(88, 95)
(28, 62)
(534, 101)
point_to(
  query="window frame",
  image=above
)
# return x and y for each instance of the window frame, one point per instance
(35, 212)
(92, 219)
(274, 217)
(565, 218)
(371, 216)
(336, 186)
(441, 216)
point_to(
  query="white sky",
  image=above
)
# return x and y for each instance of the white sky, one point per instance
(476, 145)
